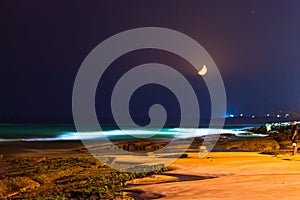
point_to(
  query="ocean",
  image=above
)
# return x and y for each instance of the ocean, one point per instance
(22, 132)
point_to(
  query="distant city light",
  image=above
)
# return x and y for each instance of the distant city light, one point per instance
(228, 115)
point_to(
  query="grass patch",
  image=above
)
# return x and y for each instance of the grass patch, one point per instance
(73, 177)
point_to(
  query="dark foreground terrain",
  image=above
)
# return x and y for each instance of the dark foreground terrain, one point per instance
(72, 177)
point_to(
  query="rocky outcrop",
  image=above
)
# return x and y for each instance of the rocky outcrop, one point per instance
(283, 139)
(266, 144)
(260, 130)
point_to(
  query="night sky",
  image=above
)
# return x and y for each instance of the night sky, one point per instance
(254, 43)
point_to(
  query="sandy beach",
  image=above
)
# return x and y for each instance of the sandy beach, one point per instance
(220, 175)
(228, 175)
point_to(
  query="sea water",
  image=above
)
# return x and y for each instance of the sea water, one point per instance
(21, 132)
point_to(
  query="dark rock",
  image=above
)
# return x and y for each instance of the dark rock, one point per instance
(252, 144)
(260, 130)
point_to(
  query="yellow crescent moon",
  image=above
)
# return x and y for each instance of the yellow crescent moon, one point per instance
(203, 71)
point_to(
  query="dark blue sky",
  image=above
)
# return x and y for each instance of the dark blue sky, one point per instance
(254, 43)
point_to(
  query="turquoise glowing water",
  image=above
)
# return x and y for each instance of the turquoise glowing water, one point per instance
(18, 132)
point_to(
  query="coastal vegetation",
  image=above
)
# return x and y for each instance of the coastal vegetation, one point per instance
(72, 177)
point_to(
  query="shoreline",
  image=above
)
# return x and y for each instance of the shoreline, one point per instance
(76, 147)
(41, 148)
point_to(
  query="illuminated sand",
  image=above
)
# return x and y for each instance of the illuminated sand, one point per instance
(221, 175)
(242, 175)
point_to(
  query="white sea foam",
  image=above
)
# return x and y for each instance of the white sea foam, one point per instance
(174, 132)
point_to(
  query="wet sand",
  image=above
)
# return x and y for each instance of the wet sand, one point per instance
(44, 148)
